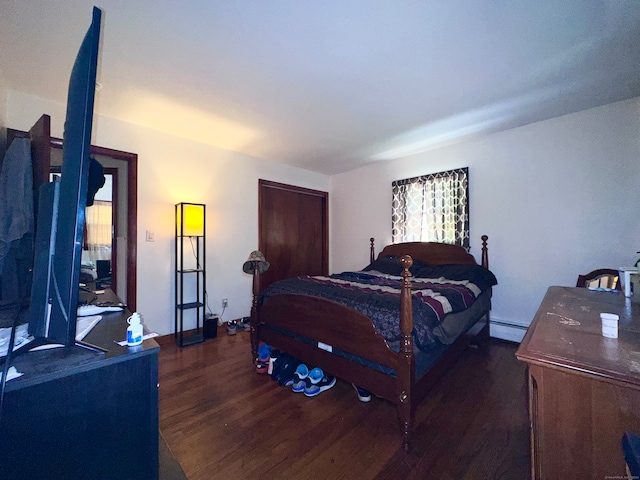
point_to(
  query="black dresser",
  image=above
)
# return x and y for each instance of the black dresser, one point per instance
(78, 414)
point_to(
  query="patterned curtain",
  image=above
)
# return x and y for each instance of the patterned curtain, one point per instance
(99, 234)
(432, 208)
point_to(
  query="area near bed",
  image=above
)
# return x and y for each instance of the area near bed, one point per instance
(392, 328)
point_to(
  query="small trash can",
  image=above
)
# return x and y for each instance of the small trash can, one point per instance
(210, 327)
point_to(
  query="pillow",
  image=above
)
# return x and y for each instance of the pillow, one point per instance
(390, 264)
(477, 274)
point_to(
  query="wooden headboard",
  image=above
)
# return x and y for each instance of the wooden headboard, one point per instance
(433, 253)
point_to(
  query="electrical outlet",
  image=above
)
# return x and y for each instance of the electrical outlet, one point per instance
(225, 302)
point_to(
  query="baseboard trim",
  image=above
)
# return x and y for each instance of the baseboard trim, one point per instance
(502, 330)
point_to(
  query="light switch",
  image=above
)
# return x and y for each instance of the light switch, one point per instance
(151, 236)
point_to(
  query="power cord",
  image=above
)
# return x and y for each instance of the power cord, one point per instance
(206, 294)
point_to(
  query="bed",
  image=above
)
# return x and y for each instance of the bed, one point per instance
(371, 345)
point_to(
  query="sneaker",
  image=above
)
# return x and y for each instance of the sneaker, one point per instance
(274, 359)
(280, 364)
(264, 352)
(262, 362)
(246, 324)
(363, 395)
(284, 368)
(300, 377)
(231, 327)
(262, 367)
(318, 382)
(287, 372)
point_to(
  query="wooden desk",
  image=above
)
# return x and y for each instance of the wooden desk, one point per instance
(584, 389)
(76, 414)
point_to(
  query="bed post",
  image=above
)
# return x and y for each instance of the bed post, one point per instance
(254, 313)
(372, 251)
(485, 252)
(485, 335)
(406, 375)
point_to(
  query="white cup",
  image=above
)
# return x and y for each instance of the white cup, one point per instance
(609, 325)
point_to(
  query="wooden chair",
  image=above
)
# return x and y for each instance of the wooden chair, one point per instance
(601, 278)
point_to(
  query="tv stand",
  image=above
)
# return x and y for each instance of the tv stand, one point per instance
(42, 341)
(80, 414)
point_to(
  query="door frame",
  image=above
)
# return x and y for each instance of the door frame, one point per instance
(132, 212)
(131, 160)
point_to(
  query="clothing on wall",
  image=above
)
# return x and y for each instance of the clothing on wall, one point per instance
(16, 216)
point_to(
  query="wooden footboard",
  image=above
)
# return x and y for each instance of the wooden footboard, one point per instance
(335, 326)
(331, 326)
(320, 326)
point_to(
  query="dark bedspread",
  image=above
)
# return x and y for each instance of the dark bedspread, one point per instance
(376, 294)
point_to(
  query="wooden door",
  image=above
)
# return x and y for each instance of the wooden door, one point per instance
(293, 231)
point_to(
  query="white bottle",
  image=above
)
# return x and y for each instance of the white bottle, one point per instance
(134, 330)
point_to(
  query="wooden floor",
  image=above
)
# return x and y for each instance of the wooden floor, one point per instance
(222, 420)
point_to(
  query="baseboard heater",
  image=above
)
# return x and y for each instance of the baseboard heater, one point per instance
(507, 331)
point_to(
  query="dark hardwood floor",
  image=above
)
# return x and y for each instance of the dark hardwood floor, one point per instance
(222, 420)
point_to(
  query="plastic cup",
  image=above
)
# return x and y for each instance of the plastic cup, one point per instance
(609, 325)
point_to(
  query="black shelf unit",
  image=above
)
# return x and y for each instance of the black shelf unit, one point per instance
(190, 272)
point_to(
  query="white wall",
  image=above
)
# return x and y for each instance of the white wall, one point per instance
(172, 170)
(556, 198)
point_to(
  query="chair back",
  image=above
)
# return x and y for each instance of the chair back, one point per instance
(601, 278)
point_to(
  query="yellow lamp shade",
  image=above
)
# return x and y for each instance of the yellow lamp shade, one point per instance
(190, 219)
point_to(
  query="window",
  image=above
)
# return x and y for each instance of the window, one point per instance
(99, 221)
(432, 208)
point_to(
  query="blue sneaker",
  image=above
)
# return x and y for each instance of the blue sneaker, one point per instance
(300, 378)
(318, 382)
(363, 395)
(264, 352)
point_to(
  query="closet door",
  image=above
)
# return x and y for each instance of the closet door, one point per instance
(293, 231)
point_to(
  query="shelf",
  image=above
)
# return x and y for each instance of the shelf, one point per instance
(190, 244)
(191, 340)
(187, 306)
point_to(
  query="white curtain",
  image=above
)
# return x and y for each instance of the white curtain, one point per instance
(99, 230)
(432, 208)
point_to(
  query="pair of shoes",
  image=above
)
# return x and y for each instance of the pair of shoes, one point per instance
(312, 382)
(231, 327)
(363, 395)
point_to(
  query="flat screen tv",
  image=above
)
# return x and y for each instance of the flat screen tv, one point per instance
(61, 212)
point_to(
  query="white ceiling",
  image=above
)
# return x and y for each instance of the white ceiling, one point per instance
(331, 85)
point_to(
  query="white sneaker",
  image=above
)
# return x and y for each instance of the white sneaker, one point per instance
(363, 395)
(86, 310)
